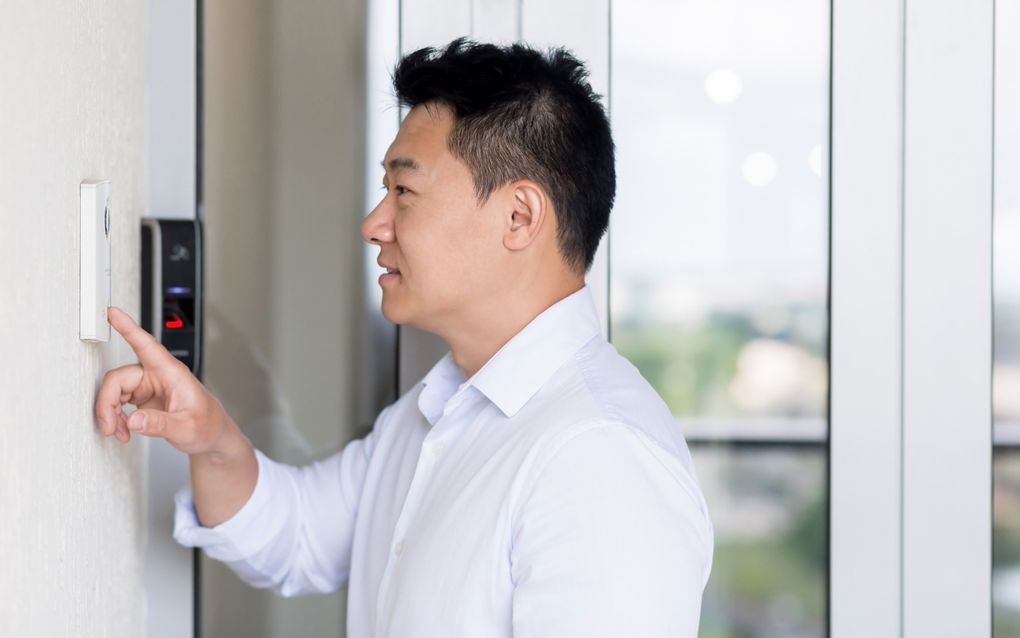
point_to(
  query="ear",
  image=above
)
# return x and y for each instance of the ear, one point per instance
(530, 208)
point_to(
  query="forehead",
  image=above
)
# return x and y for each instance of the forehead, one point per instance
(422, 137)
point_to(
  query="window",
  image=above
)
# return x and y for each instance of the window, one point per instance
(718, 279)
(1006, 291)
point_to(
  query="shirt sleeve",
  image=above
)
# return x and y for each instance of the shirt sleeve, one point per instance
(294, 534)
(613, 539)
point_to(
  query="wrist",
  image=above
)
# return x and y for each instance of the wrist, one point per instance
(230, 447)
(224, 477)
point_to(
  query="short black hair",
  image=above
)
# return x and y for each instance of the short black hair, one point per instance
(523, 114)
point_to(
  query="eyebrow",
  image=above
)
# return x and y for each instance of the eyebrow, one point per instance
(399, 163)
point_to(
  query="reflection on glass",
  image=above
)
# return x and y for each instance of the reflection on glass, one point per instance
(770, 514)
(1006, 543)
(1006, 372)
(1007, 219)
(719, 274)
(719, 249)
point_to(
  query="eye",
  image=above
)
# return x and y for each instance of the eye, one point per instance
(401, 190)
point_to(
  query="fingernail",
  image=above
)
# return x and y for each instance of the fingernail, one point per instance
(138, 423)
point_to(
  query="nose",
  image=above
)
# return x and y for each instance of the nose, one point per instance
(377, 228)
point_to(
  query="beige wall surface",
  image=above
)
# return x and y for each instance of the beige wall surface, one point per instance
(72, 107)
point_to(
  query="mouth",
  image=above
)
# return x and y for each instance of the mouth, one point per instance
(388, 268)
(391, 275)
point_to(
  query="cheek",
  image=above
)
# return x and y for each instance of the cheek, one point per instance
(485, 242)
(477, 242)
(450, 250)
(430, 251)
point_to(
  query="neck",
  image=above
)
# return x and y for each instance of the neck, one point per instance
(495, 321)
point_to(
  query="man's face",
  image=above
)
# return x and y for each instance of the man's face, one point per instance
(445, 249)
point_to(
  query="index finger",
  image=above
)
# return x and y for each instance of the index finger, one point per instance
(149, 351)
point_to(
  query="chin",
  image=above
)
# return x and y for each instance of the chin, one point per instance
(393, 312)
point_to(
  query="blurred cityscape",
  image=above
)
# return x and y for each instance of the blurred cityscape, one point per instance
(768, 501)
(719, 274)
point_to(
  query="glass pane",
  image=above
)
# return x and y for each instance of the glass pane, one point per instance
(769, 507)
(1006, 544)
(282, 203)
(1006, 378)
(719, 246)
(719, 275)
(1006, 374)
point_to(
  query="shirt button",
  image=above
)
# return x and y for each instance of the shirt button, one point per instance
(399, 547)
(437, 448)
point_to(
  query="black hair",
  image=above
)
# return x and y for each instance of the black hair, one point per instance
(523, 114)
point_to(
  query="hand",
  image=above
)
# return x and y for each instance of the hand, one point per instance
(172, 403)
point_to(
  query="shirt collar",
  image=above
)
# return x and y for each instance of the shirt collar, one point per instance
(516, 372)
(438, 386)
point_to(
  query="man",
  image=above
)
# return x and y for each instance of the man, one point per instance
(533, 484)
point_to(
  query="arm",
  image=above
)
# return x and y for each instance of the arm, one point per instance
(275, 525)
(295, 532)
(224, 479)
(611, 540)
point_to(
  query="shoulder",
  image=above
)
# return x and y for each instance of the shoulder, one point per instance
(593, 451)
(598, 385)
(609, 482)
(598, 417)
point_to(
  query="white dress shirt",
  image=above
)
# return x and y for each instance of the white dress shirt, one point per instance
(551, 494)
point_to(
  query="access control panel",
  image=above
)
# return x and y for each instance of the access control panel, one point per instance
(172, 287)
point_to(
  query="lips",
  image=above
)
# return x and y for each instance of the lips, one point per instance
(391, 275)
(390, 270)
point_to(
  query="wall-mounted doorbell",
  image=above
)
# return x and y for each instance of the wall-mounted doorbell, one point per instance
(172, 287)
(94, 260)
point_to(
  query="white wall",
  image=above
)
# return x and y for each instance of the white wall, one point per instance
(72, 107)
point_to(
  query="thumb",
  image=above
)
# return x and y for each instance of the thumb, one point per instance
(149, 422)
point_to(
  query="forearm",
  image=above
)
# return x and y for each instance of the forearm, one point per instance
(275, 525)
(222, 481)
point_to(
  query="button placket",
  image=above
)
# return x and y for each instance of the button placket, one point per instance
(422, 474)
(432, 447)
(412, 502)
